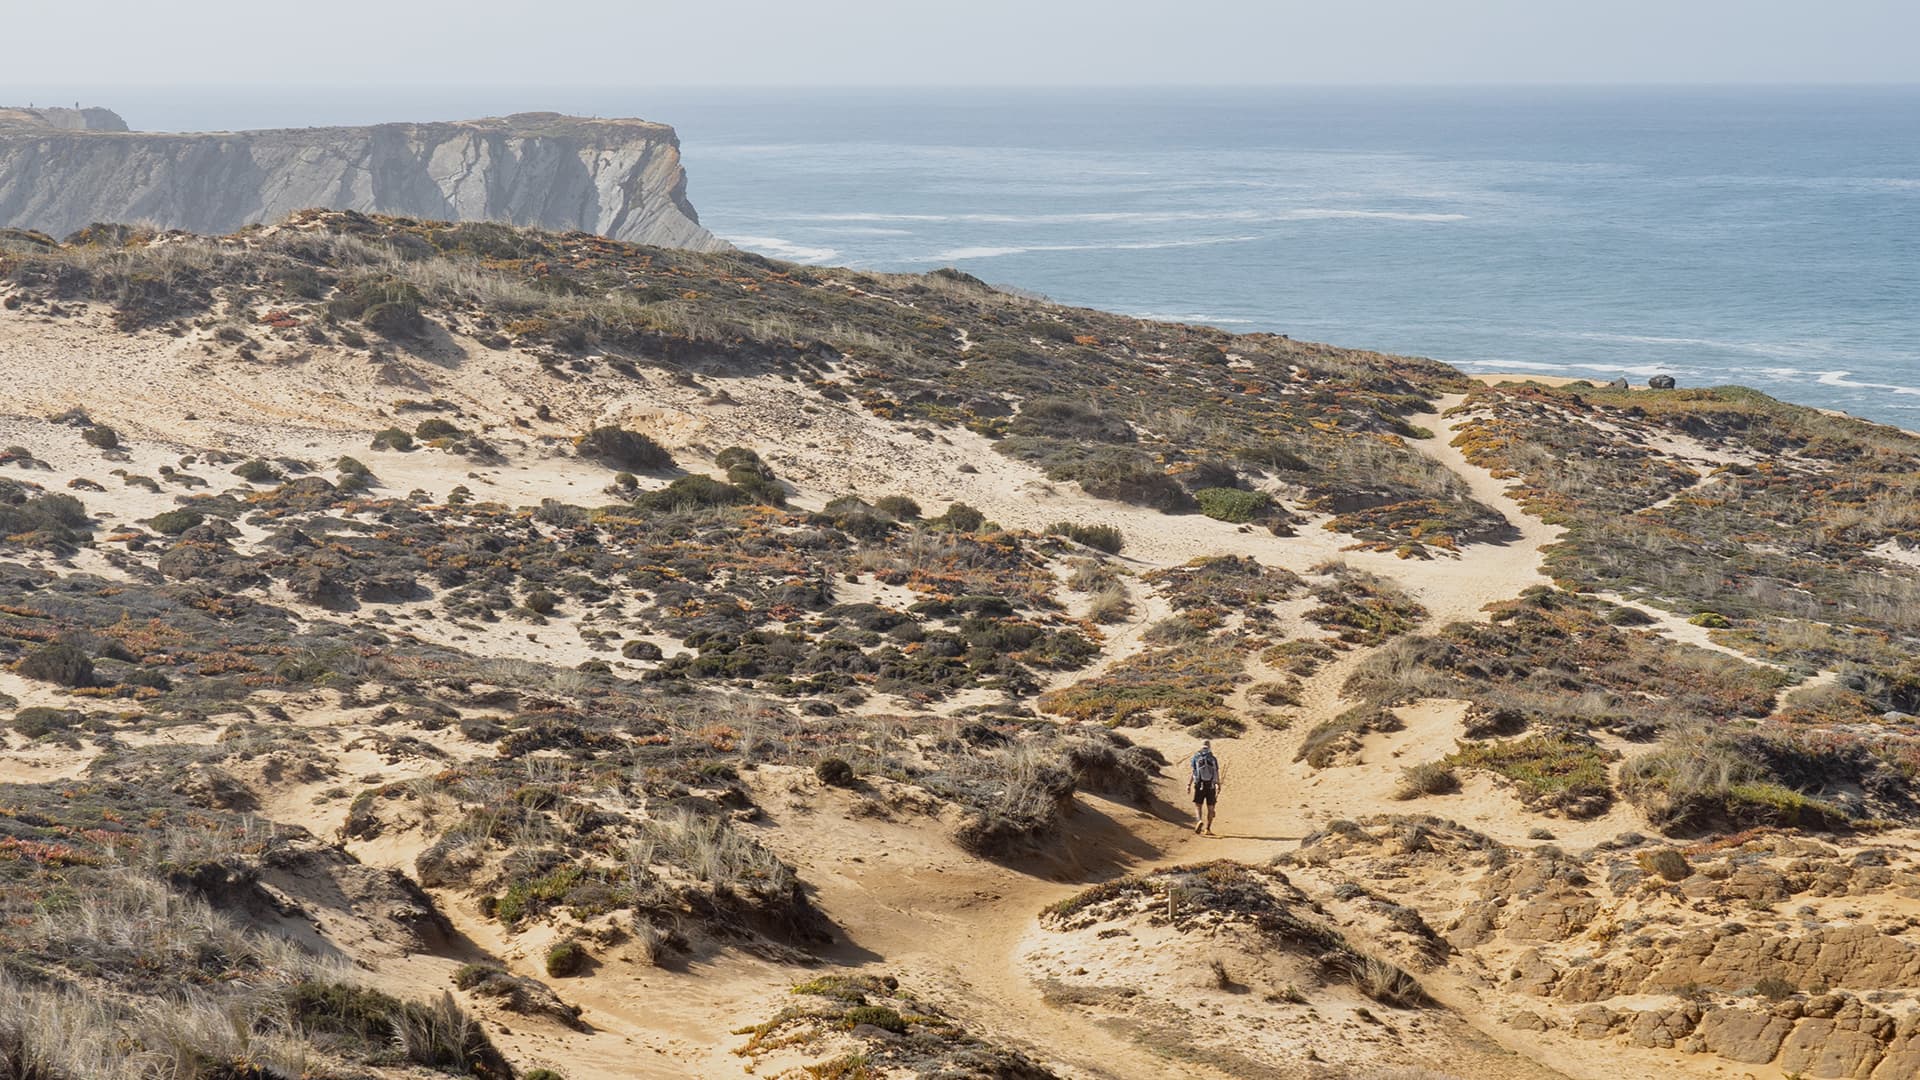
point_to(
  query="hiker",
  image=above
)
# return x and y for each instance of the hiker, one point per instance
(1204, 782)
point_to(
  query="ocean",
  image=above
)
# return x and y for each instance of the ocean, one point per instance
(1764, 236)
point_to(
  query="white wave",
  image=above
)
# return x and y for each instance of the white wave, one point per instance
(1208, 320)
(775, 247)
(1840, 378)
(956, 254)
(1520, 365)
(1319, 214)
(1785, 350)
(1144, 217)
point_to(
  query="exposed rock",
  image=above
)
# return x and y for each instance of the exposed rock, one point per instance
(1555, 915)
(1593, 1022)
(1661, 382)
(619, 178)
(1744, 1034)
(1663, 1029)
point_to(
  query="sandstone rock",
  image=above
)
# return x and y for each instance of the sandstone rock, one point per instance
(1822, 1048)
(619, 178)
(1593, 1022)
(1526, 1020)
(1900, 1063)
(1743, 1034)
(1555, 915)
(1663, 1029)
(1530, 974)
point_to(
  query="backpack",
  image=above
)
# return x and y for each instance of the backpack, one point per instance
(1206, 767)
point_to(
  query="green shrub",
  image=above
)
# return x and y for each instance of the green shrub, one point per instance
(752, 476)
(962, 518)
(102, 436)
(566, 958)
(386, 305)
(875, 1016)
(1105, 538)
(1551, 770)
(175, 522)
(898, 507)
(622, 449)
(1712, 620)
(333, 1008)
(393, 439)
(834, 772)
(257, 471)
(39, 721)
(434, 428)
(542, 602)
(59, 663)
(694, 492)
(1233, 504)
(640, 650)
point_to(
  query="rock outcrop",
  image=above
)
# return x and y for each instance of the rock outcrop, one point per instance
(62, 169)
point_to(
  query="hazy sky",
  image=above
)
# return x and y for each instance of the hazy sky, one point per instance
(67, 45)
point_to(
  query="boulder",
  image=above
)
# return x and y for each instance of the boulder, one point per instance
(1593, 1022)
(1824, 1048)
(1661, 382)
(1744, 1034)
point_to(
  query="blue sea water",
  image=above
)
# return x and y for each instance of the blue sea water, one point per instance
(1766, 236)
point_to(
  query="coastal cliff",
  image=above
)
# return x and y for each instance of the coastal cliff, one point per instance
(63, 169)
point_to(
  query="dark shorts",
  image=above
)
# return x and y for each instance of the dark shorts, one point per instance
(1205, 792)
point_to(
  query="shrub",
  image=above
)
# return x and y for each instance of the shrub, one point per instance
(386, 305)
(393, 439)
(566, 958)
(695, 492)
(542, 602)
(59, 663)
(640, 650)
(622, 449)
(175, 522)
(434, 428)
(879, 1016)
(1387, 983)
(334, 1008)
(1110, 605)
(1233, 504)
(1432, 778)
(898, 507)
(1712, 620)
(39, 721)
(1705, 780)
(102, 436)
(1105, 538)
(443, 1036)
(962, 518)
(751, 475)
(257, 471)
(1554, 770)
(834, 772)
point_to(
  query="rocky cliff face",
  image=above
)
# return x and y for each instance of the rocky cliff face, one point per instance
(63, 169)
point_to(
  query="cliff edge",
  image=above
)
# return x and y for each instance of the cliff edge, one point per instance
(62, 169)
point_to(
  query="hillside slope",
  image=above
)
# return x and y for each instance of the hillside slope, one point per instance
(690, 664)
